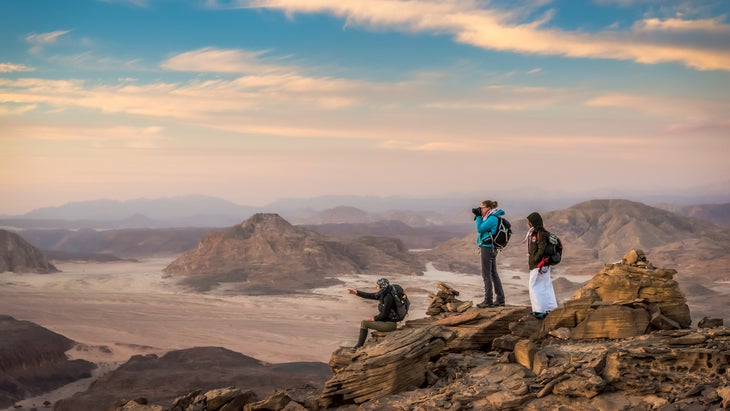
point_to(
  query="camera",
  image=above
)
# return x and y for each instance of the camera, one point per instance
(477, 211)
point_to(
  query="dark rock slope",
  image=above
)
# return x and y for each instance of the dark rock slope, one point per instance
(161, 379)
(33, 361)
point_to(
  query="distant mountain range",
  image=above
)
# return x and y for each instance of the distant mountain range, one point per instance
(206, 211)
(594, 232)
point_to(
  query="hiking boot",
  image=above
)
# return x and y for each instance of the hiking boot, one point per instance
(485, 305)
(499, 304)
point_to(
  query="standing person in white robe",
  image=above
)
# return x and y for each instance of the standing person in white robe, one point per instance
(542, 295)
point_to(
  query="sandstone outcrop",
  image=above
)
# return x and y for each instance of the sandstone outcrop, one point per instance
(19, 256)
(33, 361)
(623, 300)
(266, 254)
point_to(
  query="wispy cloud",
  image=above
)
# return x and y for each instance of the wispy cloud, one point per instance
(713, 26)
(10, 67)
(506, 30)
(40, 40)
(682, 114)
(45, 38)
(114, 136)
(213, 60)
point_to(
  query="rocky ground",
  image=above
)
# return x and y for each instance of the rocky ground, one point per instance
(623, 343)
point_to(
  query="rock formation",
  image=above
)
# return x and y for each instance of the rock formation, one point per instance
(621, 344)
(18, 256)
(267, 254)
(624, 300)
(33, 361)
(200, 371)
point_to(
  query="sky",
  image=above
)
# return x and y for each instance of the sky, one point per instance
(256, 100)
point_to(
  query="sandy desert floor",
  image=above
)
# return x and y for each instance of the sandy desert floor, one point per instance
(115, 310)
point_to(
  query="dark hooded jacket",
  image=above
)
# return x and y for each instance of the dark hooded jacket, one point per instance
(537, 242)
(386, 305)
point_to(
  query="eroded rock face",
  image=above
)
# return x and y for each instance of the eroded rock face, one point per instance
(266, 254)
(624, 300)
(19, 256)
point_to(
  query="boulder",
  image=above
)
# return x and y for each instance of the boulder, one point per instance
(397, 363)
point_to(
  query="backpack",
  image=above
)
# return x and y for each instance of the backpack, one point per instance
(554, 249)
(402, 304)
(499, 239)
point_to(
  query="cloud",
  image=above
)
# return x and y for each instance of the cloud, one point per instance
(16, 110)
(10, 67)
(679, 25)
(45, 38)
(507, 30)
(113, 136)
(682, 114)
(212, 60)
(41, 40)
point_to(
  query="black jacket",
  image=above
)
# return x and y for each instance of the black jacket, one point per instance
(537, 242)
(386, 305)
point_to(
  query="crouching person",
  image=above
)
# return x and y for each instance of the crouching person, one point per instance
(386, 318)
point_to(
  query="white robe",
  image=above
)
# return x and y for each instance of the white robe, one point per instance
(542, 295)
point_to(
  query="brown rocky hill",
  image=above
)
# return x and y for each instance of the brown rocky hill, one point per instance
(19, 256)
(266, 254)
(596, 231)
(160, 379)
(33, 361)
(418, 237)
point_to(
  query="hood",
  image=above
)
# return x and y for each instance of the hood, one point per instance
(498, 212)
(535, 219)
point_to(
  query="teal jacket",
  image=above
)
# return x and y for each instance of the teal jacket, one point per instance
(488, 226)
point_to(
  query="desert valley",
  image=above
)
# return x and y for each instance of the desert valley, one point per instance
(276, 292)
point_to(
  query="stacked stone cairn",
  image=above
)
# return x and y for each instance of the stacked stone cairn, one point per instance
(445, 301)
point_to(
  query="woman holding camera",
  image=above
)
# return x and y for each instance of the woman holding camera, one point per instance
(486, 225)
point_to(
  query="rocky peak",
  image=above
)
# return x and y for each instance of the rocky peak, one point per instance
(267, 254)
(266, 221)
(19, 256)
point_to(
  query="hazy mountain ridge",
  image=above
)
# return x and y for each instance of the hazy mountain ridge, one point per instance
(120, 243)
(412, 237)
(718, 214)
(158, 209)
(206, 211)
